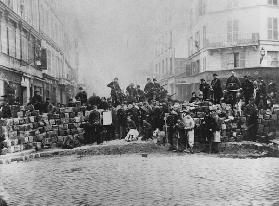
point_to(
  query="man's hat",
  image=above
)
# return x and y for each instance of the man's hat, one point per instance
(202, 79)
(116, 78)
(80, 88)
(215, 75)
(154, 79)
(245, 76)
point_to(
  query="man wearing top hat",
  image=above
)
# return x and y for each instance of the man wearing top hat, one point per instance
(217, 89)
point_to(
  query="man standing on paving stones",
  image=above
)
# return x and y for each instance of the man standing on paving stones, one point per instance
(171, 121)
(95, 122)
(189, 130)
(216, 89)
(251, 114)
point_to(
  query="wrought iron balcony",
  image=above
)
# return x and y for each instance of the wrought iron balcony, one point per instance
(232, 40)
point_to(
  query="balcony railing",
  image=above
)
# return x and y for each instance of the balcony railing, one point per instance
(232, 40)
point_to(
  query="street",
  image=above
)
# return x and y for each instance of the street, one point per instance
(132, 180)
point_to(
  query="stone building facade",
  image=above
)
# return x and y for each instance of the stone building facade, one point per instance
(26, 28)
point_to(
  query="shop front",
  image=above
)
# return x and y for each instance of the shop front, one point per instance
(10, 85)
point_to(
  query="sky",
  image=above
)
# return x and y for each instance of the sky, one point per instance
(117, 40)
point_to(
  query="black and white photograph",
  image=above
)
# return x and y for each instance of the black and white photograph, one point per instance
(139, 102)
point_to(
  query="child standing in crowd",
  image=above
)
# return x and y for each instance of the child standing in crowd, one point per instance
(216, 129)
(189, 129)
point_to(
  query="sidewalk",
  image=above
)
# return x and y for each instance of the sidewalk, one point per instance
(119, 147)
(115, 147)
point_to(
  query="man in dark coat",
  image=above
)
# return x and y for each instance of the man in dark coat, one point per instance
(95, 122)
(248, 89)
(122, 121)
(131, 90)
(205, 89)
(115, 92)
(171, 121)
(217, 89)
(5, 108)
(140, 94)
(148, 89)
(37, 101)
(251, 114)
(47, 106)
(81, 96)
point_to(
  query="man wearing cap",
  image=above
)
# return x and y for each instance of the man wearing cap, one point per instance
(248, 89)
(217, 89)
(115, 92)
(81, 96)
(148, 89)
(205, 89)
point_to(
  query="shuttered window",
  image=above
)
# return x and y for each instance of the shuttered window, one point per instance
(272, 29)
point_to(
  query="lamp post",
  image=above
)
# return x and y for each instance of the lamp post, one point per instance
(262, 53)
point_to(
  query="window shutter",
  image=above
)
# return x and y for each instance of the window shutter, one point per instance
(269, 28)
(275, 29)
(242, 59)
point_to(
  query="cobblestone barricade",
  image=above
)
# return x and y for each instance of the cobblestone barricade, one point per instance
(30, 129)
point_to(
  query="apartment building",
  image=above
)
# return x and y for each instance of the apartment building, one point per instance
(28, 27)
(226, 35)
(169, 47)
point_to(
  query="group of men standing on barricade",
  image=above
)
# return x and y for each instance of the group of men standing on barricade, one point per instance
(264, 95)
(152, 91)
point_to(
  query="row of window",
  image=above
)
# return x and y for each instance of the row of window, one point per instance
(164, 67)
(21, 45)
(26, 9)
(233, 35)
(32, 13)
(201, 7)
(16, 44)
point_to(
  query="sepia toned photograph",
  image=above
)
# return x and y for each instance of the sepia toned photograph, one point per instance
(139, 102)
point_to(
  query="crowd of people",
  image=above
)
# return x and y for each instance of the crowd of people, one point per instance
(139, 113)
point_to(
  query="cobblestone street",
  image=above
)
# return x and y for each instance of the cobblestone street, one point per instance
(133, 180)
